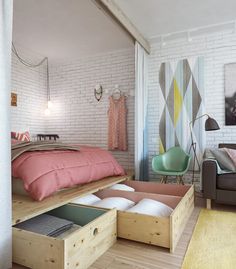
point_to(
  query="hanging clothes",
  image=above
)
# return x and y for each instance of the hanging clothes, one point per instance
(117, 127)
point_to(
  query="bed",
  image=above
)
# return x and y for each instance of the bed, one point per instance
(54, 175)
(42, 169)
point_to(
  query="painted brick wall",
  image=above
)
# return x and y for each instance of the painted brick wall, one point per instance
(79, 118)
(218, 49)
(76, 116)
(30, 86)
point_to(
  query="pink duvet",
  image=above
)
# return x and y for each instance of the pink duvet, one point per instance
(45, 172)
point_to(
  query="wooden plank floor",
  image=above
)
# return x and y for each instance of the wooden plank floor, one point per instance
(126, 254)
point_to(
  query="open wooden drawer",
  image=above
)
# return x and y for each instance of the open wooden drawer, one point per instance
(78, 249)
(160, 231)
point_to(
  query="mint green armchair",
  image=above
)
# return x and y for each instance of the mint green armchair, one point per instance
(174, 162)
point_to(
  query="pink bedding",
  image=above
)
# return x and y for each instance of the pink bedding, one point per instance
(45, 172)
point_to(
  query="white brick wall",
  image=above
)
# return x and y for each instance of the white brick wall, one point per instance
(30, 86)
(218, 49)
(76, 116)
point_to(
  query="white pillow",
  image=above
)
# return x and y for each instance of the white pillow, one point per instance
(119, 203)
(121, 187)
(151, 207)
(89, 199)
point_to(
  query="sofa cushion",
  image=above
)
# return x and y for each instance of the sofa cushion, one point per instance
(232, 154)
(226, 181)
(223, 159)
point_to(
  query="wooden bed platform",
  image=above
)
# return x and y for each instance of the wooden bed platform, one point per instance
(99, 227)
(24, 207)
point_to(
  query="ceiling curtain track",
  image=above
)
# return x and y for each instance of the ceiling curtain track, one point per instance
(31, 65)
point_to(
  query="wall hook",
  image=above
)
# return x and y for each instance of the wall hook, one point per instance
(98, 91)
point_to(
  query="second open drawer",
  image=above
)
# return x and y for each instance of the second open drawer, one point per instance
(159, 231)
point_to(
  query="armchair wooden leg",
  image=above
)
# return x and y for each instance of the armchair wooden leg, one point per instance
(162, 179)
(177, 179)
(166, 177)
(208, 203)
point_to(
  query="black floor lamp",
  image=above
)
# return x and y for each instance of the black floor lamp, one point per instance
(210, 125)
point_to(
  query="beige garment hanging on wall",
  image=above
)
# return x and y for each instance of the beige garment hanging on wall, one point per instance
(117, 126)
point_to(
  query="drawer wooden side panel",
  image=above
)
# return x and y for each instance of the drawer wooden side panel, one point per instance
(37, 251)
(89, 243)
(180, 216)
(144, 228)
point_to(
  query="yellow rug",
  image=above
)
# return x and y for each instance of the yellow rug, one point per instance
(213, 244)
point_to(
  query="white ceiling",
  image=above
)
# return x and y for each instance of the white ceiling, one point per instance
(63, 29)
(158, 17)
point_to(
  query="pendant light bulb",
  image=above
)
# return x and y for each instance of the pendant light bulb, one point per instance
(163, 42)
(47, 112)
(190, 39)
(50, 104)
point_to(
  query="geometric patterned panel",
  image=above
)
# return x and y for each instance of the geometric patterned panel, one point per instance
(182, 96)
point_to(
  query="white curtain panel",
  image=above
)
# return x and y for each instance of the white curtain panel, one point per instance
(141, 158)
(5, 161)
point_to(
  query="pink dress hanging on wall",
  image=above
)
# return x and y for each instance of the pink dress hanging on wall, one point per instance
(117, 128)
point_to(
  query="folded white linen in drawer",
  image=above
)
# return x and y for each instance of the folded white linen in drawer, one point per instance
(121, 187)
(119, 203)
(151, 207)
(89, 199)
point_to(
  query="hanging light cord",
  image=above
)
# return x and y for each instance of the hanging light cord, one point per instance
(24, 62)
(14, 50)
(48, 85)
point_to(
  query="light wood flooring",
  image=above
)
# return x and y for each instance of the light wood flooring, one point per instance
(126, 254)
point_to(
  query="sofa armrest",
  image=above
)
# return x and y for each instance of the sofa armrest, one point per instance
(209, 175)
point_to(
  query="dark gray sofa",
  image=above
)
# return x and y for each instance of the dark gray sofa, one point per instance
(220, 188)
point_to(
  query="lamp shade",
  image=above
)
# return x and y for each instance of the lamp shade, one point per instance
(211, 124)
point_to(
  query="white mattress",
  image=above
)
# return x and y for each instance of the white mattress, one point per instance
(18, 187)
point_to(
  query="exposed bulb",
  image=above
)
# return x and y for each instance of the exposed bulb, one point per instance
(47, 112)
(50, 104)
(190, 39)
